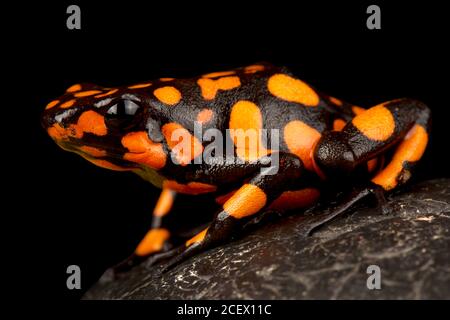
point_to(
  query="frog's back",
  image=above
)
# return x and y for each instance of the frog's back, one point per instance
(259, 96)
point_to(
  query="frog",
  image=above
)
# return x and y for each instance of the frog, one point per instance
(322, 143)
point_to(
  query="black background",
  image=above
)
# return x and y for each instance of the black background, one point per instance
(71, 212)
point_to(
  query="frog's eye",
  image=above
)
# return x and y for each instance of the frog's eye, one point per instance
(121, 114)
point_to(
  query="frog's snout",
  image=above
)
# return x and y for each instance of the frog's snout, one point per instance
(47, 120)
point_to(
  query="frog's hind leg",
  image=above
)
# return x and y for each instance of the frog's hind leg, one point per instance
(249, 200)
(403, 124)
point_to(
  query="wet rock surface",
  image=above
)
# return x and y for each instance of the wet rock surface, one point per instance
(411, 246)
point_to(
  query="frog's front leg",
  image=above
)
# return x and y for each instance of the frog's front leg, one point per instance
(156, 239)
(250, 199)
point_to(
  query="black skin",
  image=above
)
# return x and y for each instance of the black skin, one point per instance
(341, 156)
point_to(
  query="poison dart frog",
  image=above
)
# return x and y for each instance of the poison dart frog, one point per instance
(322, 141)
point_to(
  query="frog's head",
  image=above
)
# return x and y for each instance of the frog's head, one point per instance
(108, 127)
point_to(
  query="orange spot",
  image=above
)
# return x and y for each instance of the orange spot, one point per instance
(86, 93)
(336, 101)
(107, 93)
(92, 122)
(338, 124)
(358, 110)
(410, 149)
(52, 104)
(152, 242)
(223, 198)
(190, 188)
(183, 144)
(218, 74)
(248, 200)
(57, 132)
(168, 95)
(166, 79)
(205, 116)
(197, 238)
(290, 200)
(89, 121)
(164, 203)
(106, 164)
(253, 68)
(95, 152)
(376, 123)
(74, 88)
(210, 87)
(287, 88)
(140, 85)
(143, 150)
(67, 104)
(372, 164)
(300, 139)
(245, 130)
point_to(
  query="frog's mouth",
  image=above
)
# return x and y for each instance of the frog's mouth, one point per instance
(101, 157)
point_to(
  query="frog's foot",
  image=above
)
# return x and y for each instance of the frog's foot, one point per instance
(180, 254)
(150, 249)
(357, 195)
(221, 229)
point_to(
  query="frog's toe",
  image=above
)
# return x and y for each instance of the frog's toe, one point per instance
(381, 202)
(161, 256)
(180, 254)
(391, 207)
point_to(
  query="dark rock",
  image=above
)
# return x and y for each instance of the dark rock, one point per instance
(411, 247)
